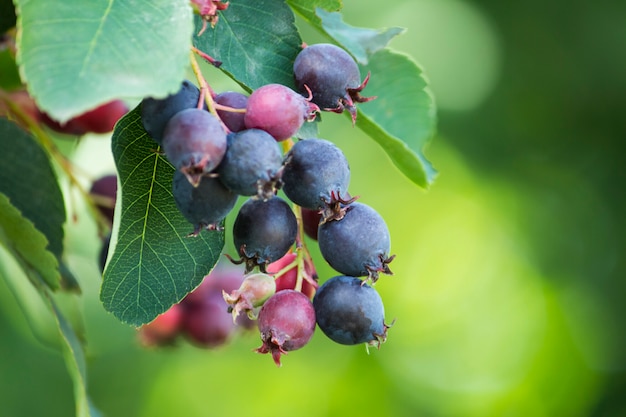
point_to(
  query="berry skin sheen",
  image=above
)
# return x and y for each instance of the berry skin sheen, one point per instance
(286, 322)
(350, 312)
(203, 206)
(264, 231)
(194, 142)
(278, 110)
(357, 245)
(155, 113)
(315, 169)
(332, 76)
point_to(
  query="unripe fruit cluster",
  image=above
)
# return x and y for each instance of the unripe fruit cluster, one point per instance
(233, 150)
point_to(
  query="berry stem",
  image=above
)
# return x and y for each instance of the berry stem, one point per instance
(205, 90)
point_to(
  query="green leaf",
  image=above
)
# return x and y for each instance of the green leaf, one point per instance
(75, 362)
(306, 8)
(10, 79)
(75, 55)
(154, 264)
(28, 180)
(402, 118)
(7, 15)
(27, 243)
(256, 41)
(360, 42)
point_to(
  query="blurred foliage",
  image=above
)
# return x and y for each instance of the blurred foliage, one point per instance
(508, 288)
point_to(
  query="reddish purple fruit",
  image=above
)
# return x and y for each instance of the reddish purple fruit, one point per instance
(102, 119)
(286, 322)
(207, 321)
(278, 110)
(164, 329)
(289, 278)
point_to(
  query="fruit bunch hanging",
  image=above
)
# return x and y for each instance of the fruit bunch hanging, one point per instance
(228, 144)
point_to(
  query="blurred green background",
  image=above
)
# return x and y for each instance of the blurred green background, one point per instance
(508, 291)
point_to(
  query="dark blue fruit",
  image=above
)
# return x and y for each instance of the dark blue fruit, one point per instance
(332, 76)
(251, 163)
(350, 312)
(155, 113)
(194, 142)
(233, 120)
(358, 244)
(264, 231)
(204, 206)
(286, 322)
(315, 169)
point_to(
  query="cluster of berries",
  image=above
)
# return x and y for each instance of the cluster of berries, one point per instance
(228, 145)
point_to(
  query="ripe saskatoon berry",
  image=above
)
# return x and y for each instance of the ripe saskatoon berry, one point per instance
(286, 322)
(155, 113)
(288, 280)
(278, 110)
(194, 142)
(332, 76)
(164, 329)
(358, 244)
(264, 231)
(204, 206)
(232, 120)
(314, 169)
(350, 312)
(100, 120)
(251, 164)
(254, 290)
(104, 192)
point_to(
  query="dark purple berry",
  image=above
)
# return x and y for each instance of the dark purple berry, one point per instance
(204, 206)
(104, 192)
(264, 231)
(314, 169)
(286, 322)
(155, 113)
(311, 221)
(332, 76)
(194, 142)
(251, 164)
(232, 120)
(278, 110)
(358, 244)
(350, 312)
